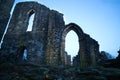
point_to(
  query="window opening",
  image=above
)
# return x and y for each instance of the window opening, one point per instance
(72, 44)
(24, 55)
(31, 19)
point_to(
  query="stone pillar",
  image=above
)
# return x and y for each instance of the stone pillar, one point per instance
(5, 8)
(88, 50)
(92, 51)
(82, 53)
(62, 53)
(96, 51)
(63, 49)
(55, 28)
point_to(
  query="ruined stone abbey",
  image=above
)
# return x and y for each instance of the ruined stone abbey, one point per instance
(45, 44)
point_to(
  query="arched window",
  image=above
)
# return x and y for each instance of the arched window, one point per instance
(31, 19)
(24, 55)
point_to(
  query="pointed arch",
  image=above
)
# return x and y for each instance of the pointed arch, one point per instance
(77, 30)
(31, 14)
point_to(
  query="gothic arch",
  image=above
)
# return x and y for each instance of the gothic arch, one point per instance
(31, 16)
(87, 47)
(77, 30)
(74, 27)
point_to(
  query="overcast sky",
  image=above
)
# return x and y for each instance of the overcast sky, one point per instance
(98, 18)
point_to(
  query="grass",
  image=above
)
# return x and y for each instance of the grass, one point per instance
(26, 71)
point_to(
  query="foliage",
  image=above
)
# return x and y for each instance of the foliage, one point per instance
(27, 71)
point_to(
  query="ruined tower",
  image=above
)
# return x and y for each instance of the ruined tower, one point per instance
(42, 42)
(5, 8)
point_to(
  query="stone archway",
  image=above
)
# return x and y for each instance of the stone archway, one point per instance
(88, 47)
(80, 34)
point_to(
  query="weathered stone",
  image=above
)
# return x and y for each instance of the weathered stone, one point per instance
(55, 27)
(106, 62)
(34, 41)
(45, 44)
(118, 57)
(67, 59)
(76, 60)
(5, 8)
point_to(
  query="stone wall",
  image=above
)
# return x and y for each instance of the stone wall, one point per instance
(45, 44)
(5, 8)
(55, 27)
(42, 42)
(67, 59)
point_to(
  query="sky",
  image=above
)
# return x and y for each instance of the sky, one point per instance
(98, 18)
